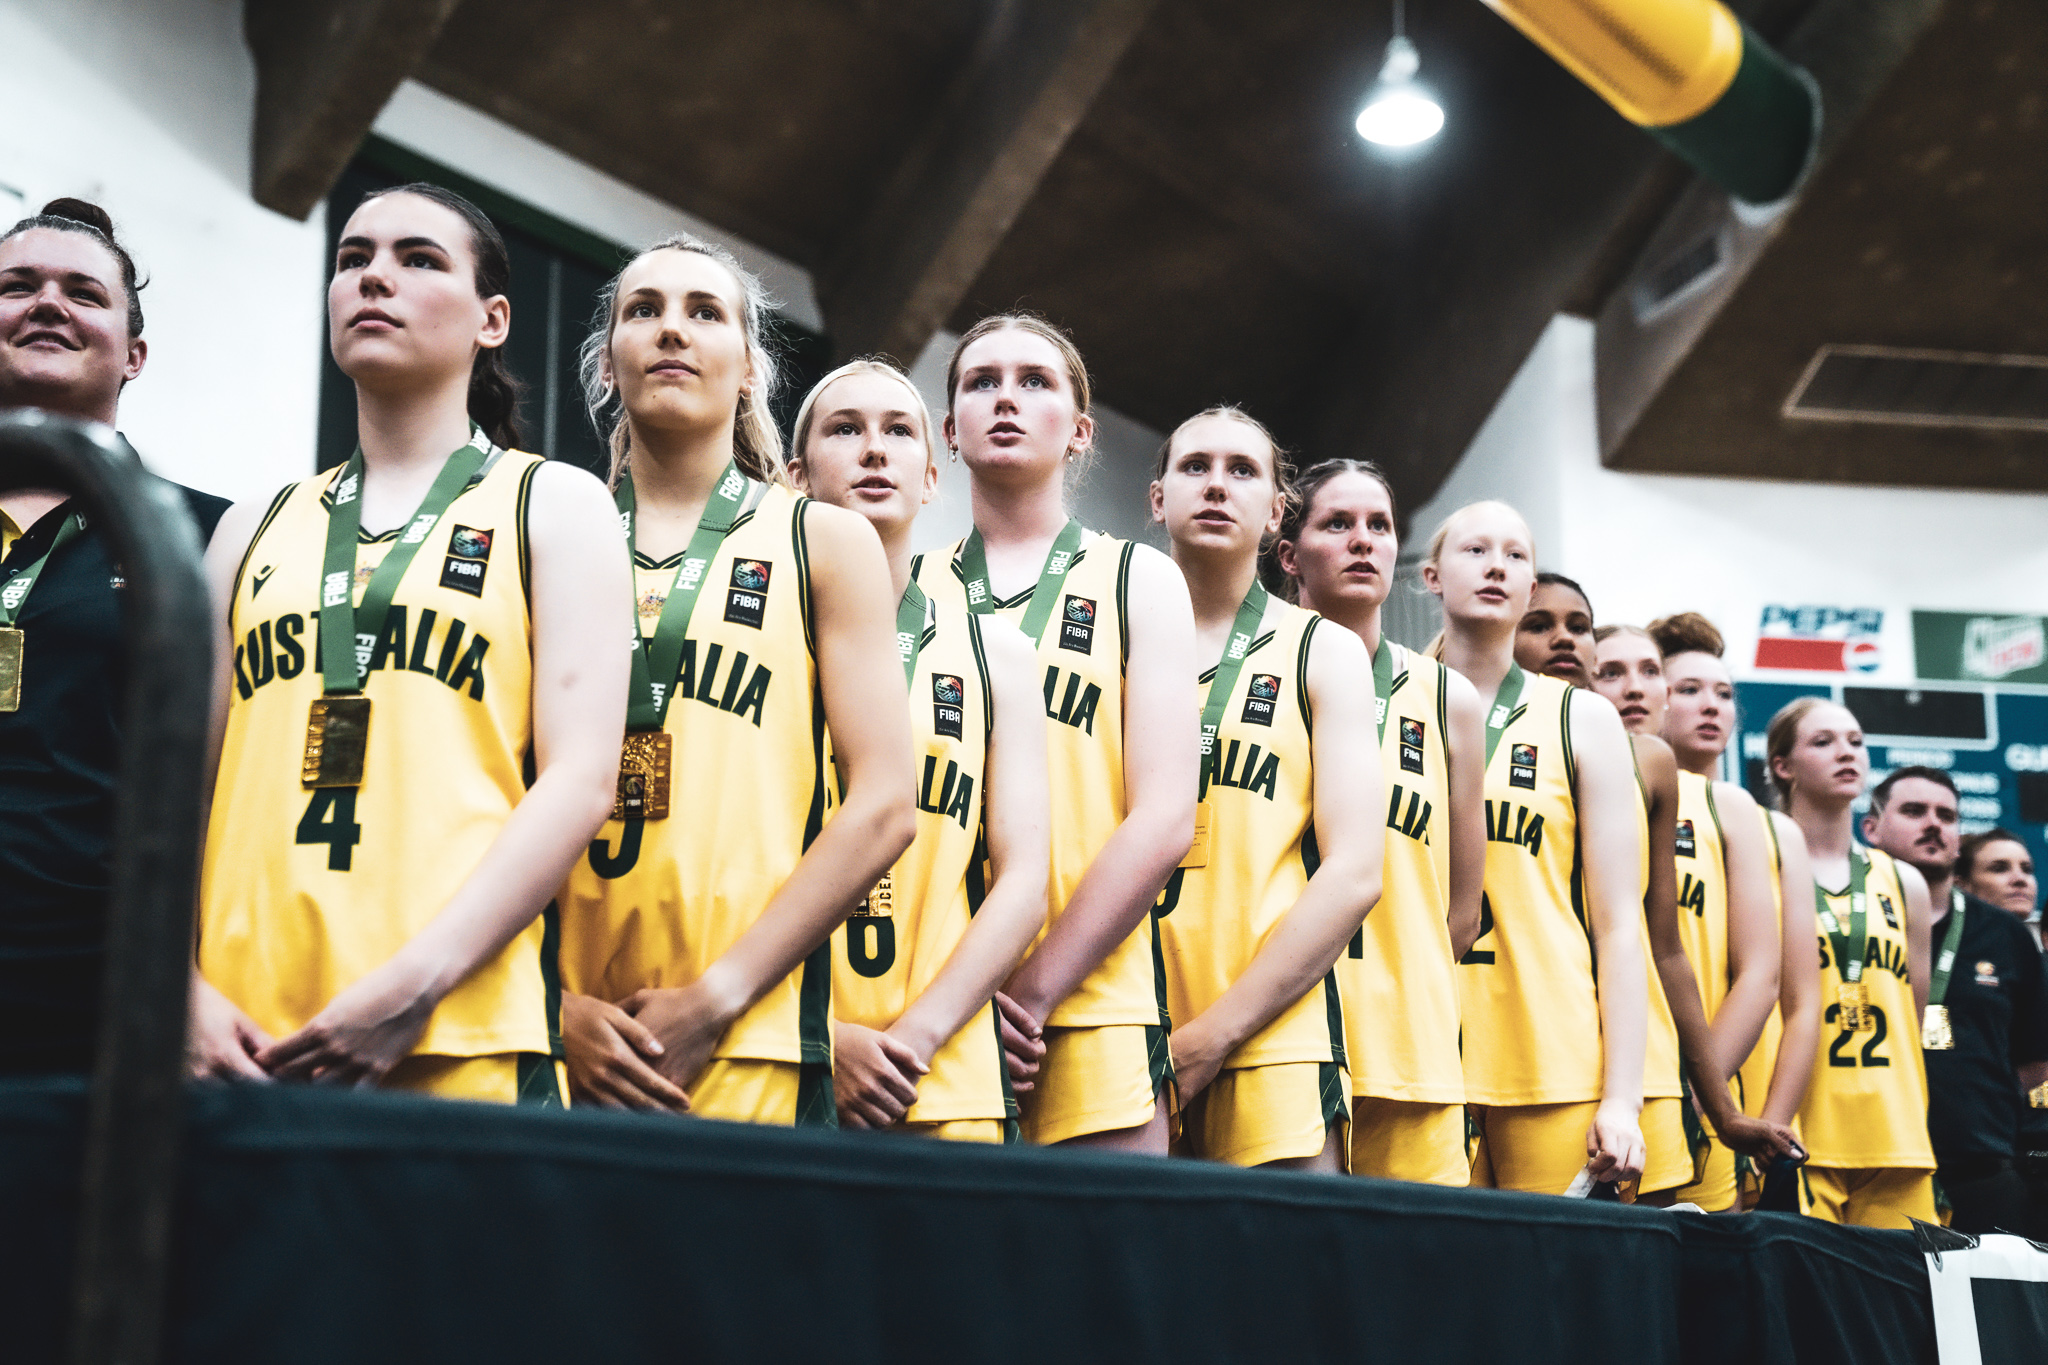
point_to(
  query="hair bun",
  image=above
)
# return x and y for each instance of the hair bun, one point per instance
(1686, 632)
(78, 211)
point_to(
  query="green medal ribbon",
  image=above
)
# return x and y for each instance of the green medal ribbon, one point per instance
(657, 661)
(14, 592)
(1849, 963)
(1383, 682)
(981, 599)
(1243, 630)
(1937, 987)
(348, 639)
(910, 619)
(1504, 709)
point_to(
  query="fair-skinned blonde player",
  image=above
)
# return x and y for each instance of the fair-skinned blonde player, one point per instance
(915, 1045)
(1287, 854)
(1339, 544)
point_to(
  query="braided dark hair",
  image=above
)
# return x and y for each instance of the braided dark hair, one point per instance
(494, 391)
(90, 220)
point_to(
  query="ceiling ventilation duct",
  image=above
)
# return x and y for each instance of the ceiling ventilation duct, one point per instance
(1923, 389)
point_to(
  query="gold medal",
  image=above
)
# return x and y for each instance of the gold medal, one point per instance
(1198, 851)
(643, 776)
(880, 903)
(337, 738)
(11, 640)
(1854, 998)
(2037, 1098)
(1935, 1033)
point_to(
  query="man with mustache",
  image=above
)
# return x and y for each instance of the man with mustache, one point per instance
(1986, 1034)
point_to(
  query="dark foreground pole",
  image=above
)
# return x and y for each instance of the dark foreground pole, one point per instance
(131, 1144)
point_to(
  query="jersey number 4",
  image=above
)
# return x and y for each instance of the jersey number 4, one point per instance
(330, 819)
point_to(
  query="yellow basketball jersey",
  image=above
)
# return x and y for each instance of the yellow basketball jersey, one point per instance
(1399, 982)
(1531, 1010)
(1214, 918)
(1661, 1078)
(305, 891)
(1082, 653)
(1703, 889)
(1867, 1105)
(1753, 1077)
(655, 902)
(894, 946)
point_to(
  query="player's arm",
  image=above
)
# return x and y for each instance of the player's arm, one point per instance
(220, 1039)
(1799, 1003)
(1605, 798)
(860, 679)
(1017, 821)
(1162, 726)
(1919, 926)
(1753, 939)
(582, 614)
(1468, 809)
(1349, 825)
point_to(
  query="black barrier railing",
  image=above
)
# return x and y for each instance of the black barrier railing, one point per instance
(131, 1143)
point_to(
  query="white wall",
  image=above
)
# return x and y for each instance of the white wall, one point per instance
(1648, 544)
(145, 109)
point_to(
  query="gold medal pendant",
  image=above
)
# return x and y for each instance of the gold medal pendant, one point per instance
(11, 641)
(1935, 1033)
(337, 739)
(879, 903)
(1198, 851)
(1854, 998)
(643, 776)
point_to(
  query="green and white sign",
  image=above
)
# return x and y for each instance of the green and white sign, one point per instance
(1974, 648)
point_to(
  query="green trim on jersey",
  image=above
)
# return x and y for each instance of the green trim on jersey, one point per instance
(249, 551)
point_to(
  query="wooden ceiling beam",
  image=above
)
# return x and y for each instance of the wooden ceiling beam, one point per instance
(324, 69)
(905, 264)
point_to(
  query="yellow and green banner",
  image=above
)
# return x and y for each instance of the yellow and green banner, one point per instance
(1980, 647)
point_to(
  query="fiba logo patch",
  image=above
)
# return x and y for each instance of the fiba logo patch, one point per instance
(1077, 625)
(1411, 745)
(1260, 698)
(469, 555)
(1522, 767)
(1686, 845)
(746, 598)
(949, 694)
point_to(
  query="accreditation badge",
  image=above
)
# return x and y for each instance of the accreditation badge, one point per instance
(337, 740)
(1935, 1033)
(11, 641)
(1198, 851)
(643, 776)
(1854, 998)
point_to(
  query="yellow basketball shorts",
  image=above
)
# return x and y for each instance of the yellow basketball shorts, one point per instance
(1715, 1190)
(957, 1130)
(1409, 1140)
(1250, 1115)
(1535, 1147)
(750, 1090)
(1885, 1197)
(1669, 1160)
(1095, 1080)
(528, 1078)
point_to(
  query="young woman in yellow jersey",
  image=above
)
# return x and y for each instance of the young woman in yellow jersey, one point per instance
(421, 705)
(1084, 1017)
(694, 931)
(1398, 976)
(1287, 853)
(914, 972)
(1699, 722)
(1722, 920)
(1556, 638)
(1864, 1122)
(1553, 988)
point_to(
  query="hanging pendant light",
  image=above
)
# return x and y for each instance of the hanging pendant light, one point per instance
(1400, 111)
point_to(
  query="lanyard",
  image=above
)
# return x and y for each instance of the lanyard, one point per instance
(657, 661)
(1383, 682)
(910, 619)
(981, 599)
(1243, 630)
(348, 638)
(1504, 709)
(14, 592)
(1937, 989)
(1848, 962)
